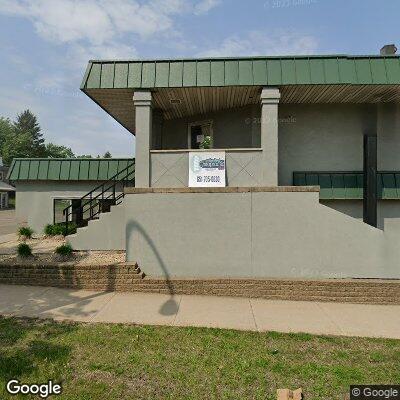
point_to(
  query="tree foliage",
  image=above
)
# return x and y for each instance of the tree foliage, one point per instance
(17, 146)
(56, 151)
(27, 126)
(24, 139)
(6, 131)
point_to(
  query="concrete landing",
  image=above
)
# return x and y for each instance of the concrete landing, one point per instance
(203, 311)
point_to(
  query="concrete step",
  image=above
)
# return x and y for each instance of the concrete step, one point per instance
(105, 233)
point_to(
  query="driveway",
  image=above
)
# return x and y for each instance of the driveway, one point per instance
(8, 222)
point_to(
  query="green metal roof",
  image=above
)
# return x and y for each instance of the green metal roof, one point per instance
(276, 71)
(66, 169)
(349, 185)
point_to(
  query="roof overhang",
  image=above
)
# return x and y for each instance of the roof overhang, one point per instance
(5, 187)
(190, 87)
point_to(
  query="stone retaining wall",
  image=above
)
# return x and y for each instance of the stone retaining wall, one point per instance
(129, 278)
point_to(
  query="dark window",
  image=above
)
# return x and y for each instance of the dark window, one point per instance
(196, 135)
(59, 206)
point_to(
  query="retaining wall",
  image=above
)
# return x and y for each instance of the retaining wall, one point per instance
(280, 232)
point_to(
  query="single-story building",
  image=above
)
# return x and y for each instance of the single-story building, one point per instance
(45, 187)
(256, 166)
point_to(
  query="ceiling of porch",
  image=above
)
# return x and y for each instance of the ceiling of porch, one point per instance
(187, 101)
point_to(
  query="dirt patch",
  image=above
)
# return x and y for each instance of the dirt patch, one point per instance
(39, 245)
(43, 252)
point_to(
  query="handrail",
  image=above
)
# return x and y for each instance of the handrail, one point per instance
(94, 201)
(112, 179)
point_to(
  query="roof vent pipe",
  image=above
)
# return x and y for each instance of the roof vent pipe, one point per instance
(388, 50)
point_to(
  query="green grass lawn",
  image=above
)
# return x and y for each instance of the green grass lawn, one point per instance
(104, 361)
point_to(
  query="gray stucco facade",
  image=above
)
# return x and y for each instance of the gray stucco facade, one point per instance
(276, 232)
(270, 230)
(35, 200)
(261, 233)
(329, 137)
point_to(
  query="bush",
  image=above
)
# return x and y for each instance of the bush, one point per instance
(59, 229)
(24, 250)
(48, 230)
(25, 232)
(206, 143)
(64, 250)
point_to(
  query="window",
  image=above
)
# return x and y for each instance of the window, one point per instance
(59, 206)
(197, 132)
(62, 204)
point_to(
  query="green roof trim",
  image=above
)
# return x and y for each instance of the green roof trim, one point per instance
(349, 185)
(67, 169)
(248, 71)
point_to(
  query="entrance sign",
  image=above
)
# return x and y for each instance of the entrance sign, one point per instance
(207, 169)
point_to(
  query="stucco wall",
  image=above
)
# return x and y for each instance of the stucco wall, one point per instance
(329, 137)
(34, 200)
(232, 128)
(312, 137)
(387, 209)
(320, 138)
(389, 137)
(171, 168)
(254, 235)
(105, 233)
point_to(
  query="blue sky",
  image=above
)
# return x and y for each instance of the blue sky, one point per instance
(45, 45)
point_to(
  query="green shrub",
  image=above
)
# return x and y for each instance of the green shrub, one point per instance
(59, 229)
(206, 143)
(24, 250)
(64, 250)
(48, 230)
(25, 232)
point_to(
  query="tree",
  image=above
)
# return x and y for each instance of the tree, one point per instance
(107, 154)
(17, 146)
(6, 131)
(26, 123)
(56, 151)
(24, 139)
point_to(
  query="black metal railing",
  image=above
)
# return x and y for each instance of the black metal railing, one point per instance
(98, 200)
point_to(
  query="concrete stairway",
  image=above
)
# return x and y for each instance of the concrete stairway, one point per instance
(105, 233)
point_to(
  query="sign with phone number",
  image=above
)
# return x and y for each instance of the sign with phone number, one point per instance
(207, 169)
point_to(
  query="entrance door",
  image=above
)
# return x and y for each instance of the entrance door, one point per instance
(196, 136)
(197, 132)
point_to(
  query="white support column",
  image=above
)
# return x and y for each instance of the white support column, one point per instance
(143, 127)
(269, 135)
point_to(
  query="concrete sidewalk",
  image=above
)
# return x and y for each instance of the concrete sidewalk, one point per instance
(8, 221)
(205, 311)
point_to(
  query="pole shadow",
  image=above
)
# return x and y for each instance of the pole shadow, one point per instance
(170, 307)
